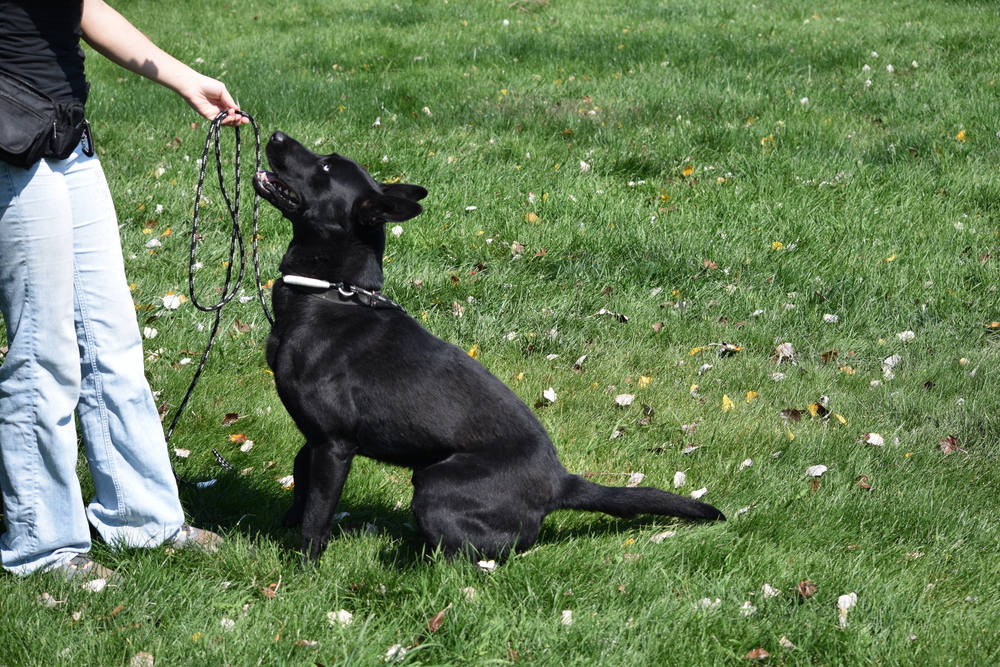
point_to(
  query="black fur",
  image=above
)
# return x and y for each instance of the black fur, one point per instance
(372, 381)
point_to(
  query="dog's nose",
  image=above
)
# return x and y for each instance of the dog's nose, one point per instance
(279, 137)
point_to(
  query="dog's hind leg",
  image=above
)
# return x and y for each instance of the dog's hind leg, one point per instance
(468, 513)
(300, 472)
(328, 465)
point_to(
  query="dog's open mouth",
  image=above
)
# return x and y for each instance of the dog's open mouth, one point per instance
(272, 189)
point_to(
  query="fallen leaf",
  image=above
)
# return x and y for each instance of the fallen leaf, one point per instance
(769, 591)
(709, 264)
(862, 481)
(785, 351)
(434, 624)
(791, 415)
(752, 396)
(342, 617)
(949, 445)
(829, 356)
(680, 479)
(727, 403)
(550, 395)
(566, 617)
(142, 660)
(816, 471)
(873, 439)
(785, 643)
(699, 493)
(635, 479)
(270, 591)
(474, 352)
(845, 603)
(230, 418)
(806, 589)
(237, 438)
(618, 316)
(707, 603)
(728, 349)
(624, 400)
(659, 537)
(395, 653)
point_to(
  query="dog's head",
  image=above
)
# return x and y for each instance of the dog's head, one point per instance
(337, 210)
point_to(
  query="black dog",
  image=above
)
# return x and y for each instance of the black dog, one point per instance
(360, 376)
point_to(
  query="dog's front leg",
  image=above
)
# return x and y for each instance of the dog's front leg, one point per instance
(300, 472)
(329, 464)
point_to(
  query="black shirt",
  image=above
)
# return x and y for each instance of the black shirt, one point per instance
(40, 43)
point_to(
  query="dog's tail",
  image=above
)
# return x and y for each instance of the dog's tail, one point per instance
(625, 502)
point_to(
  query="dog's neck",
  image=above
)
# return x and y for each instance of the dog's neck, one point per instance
(360, 266)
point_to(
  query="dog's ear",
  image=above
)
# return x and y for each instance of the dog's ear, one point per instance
(404, 190)
(381, 208)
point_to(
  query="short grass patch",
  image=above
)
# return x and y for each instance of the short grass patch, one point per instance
(754, 174)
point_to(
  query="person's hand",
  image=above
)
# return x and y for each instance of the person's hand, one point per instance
(209, 97)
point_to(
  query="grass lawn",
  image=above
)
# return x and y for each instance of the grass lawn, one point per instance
(815, 184)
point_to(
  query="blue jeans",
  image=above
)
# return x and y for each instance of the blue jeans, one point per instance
(74, 346)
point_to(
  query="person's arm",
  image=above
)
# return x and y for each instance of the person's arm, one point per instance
(111, 35)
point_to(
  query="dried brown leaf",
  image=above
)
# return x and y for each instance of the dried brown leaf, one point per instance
(791, 415)
(758, 654)
(434, 624)
(806, 589)
(949, 445)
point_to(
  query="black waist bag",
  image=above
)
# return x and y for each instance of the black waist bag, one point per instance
(33, 125)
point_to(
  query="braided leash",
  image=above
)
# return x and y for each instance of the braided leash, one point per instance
(237, 255)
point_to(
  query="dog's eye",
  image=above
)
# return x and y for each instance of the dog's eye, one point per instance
(326, 167)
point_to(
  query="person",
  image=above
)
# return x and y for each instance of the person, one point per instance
(73, 338)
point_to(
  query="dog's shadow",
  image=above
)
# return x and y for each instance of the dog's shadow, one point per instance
(233, 505)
